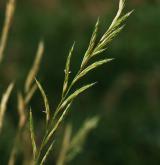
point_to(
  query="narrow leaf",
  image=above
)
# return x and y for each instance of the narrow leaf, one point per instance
(108, 38)
(61, 118)
(121, 7)
(115, 20)
(91, 67)
(91, 44)
(94, 36)
(6, 27)
(77, 142)
(34, 70)
(65, 145)
(30, 93)
(67, 70)
(46, 103)
(34, 147)
(98, 52)
(3, 103)
(21, 110)
(117, 24)
(76, 93)
(47, 153)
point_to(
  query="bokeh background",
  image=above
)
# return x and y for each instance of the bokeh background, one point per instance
(128, 92)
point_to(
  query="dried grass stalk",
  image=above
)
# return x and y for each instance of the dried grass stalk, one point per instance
(7, 24)
(34, 70)
(3, 103)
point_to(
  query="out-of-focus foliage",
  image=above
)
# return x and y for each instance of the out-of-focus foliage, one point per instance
(128, 93)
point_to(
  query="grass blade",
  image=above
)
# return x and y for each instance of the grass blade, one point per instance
(67, 70)
(34, 70)
(90, 67)
(91, 45)
(58, 122)
(30, 93)
(65, 145)
(76, 93)
(7, 23)
(79, 138)
(46, 103)
(34, 147)
(47, 153)
(21, 110)
(3, 103)
(121, 7)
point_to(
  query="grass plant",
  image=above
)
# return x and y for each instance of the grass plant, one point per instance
(72, 144)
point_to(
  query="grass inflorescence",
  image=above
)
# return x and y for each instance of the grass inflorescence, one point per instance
(72, 144)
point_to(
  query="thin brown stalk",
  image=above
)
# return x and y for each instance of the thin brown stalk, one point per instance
(3, 103)
(6, 27)
(34, 69)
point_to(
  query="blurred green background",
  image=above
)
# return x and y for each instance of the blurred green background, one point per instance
(128, 91)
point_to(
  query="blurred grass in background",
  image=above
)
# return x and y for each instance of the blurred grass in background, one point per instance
(128, 93)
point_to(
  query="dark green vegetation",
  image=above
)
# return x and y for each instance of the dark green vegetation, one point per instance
(128, 92)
